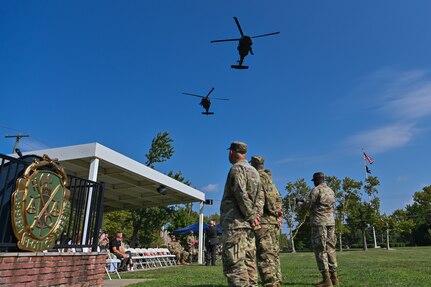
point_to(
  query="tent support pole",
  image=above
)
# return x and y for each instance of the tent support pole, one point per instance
(201, 232)
(92, 175)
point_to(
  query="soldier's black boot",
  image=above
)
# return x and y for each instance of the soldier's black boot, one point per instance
(334, 278)
(326, 282)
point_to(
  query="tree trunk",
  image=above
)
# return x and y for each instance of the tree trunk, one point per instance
(364, 240)
(374, 237)
(134, 237)
(341, 243)
(292, 242)
(387, 240)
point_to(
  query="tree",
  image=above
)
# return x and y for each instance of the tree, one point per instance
(420, 211)
(116, 221)
(184, 214)
(182, 217)
(397, 222)
(350, 189)
(215, 217)
(147, 223)
(370, 188)
(292, 213)
(363, 213)
(161, 149)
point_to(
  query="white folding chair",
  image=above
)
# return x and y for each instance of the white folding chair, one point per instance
(115, 262)
(162, 255)
(146, 258)
(171, 257)
(155, 256)
(136, 258)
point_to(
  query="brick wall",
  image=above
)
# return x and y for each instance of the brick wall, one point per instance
(52, 269)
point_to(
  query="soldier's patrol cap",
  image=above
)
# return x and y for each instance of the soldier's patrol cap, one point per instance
(239, 147)
(317, 175)
(257, 160)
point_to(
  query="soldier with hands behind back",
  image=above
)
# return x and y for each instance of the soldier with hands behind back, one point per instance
(267, 237)
(240, 212)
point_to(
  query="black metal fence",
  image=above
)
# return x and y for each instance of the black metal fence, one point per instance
(86, 199)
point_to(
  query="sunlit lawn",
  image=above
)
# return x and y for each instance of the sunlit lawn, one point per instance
(400, 267)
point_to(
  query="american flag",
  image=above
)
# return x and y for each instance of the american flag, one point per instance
(368, 158)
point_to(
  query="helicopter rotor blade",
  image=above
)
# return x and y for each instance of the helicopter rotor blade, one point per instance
(239, 26)
(209, 93)
(264, 35)
(225, 40)
(220, 99)
(193, 95)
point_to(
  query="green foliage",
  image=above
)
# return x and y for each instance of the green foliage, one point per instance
(182, 217)
(179, 177)
(143, 225)
(147, 223)
(115, 221)
(292, 213)
(420, 213)
(284, 242)
(215, 217)
(161, 149)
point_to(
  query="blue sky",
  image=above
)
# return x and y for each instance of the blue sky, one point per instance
(341, 76)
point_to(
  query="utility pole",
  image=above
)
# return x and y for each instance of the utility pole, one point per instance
(17, 138)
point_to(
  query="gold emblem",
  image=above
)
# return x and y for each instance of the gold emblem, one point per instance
(40, 205)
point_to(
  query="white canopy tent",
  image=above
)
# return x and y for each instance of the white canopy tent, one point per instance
(128, 184)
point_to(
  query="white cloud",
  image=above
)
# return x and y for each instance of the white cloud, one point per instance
(403, 96)
(407, 95)
(385, 138)
(212, 187)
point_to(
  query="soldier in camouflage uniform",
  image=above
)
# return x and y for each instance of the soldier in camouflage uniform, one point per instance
(240, 212)
(267, 237)
(279, 206)
(321, 204)
(191, 246)
(181, 256)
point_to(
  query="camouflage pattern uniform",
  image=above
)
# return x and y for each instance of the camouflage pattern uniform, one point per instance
(242, 202)
(321, 203)
(181, 256)
(191, 244)
(268, 236)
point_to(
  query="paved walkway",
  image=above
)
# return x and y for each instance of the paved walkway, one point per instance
(121, 282)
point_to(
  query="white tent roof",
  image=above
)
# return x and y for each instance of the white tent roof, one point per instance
(129, 184)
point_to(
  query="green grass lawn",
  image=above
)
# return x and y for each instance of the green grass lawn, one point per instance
(401, 267)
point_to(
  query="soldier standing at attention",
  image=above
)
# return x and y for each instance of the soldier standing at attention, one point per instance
(240, 211)
(267, 237)
(321, 204)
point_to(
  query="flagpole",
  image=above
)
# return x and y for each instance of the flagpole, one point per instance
(366, 177)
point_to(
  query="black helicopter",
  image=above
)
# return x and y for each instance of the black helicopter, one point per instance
(244, 46)
(205, 102)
